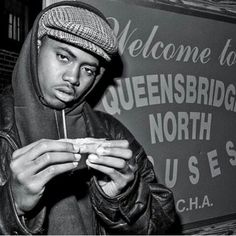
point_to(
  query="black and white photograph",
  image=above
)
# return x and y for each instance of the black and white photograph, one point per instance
(118, 117)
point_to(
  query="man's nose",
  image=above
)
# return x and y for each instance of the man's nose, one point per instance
(72, 76)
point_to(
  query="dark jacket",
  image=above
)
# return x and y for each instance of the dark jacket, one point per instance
(146, 207)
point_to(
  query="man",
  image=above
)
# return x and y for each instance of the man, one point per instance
(64, 168)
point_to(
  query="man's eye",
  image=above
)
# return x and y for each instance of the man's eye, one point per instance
(90, 72)
(62, 57)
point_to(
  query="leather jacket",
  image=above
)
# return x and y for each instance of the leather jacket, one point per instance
(146, 207)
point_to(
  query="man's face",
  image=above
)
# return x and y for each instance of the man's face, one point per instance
(65, 72)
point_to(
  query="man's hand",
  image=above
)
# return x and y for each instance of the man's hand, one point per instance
(114, 159)
(33, 166)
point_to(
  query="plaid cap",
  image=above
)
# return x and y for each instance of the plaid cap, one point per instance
(81, 27)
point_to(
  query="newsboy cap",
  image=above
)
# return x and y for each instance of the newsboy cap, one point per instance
(80, 25)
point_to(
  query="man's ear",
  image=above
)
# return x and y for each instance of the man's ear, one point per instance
(39, 43)
(100, 73)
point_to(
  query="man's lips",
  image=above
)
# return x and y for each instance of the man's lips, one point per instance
(65, 94)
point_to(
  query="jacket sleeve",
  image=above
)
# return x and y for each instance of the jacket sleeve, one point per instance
(10, 222)
(147, 207)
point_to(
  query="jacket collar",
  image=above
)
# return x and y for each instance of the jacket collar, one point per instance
(94, 125)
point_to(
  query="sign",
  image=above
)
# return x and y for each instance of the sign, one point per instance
(177, 95)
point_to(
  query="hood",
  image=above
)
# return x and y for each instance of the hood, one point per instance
(34, 119)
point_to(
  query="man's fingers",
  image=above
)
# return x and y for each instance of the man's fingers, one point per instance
(118, 164)
(37, 182)
(25, 149)
(115, 143)
(115, 152)
(111, 172)
(108, 161)
(50, 172)
(119, 177)
(36, 165)
(51, 159)
(38, 148)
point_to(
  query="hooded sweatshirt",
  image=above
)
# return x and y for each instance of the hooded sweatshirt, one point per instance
(67, 210)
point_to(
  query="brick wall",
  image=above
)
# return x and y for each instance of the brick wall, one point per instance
(7, 62)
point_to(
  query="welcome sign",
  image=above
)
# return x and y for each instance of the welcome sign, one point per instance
(177, 95)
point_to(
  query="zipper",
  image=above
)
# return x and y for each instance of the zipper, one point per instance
(9, 139)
